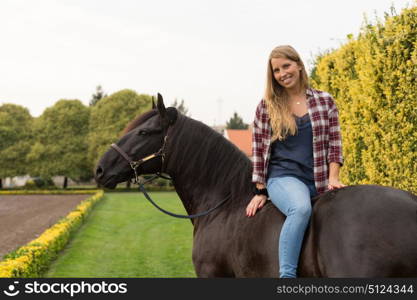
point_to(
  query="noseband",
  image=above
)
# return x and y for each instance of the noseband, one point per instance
(134, 164)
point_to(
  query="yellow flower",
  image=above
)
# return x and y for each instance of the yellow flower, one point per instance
(30, 260)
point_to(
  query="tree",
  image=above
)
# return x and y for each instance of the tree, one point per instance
(236, 122)
(110, 116)
(60, 147)
(97, 96)
(181, 107)
(15, 132)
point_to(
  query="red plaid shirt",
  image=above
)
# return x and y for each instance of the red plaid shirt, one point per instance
(327, 141)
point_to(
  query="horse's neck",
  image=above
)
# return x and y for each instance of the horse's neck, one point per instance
(187, 197)
(197, 194)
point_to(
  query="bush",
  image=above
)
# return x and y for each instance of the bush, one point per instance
(39, 183)
(30, 184)
(373, 81)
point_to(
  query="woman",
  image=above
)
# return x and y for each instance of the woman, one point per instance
(297, 150)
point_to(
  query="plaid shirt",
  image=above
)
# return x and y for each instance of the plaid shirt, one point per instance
(327, 141)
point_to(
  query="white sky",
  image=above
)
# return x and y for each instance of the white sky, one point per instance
(211, 53)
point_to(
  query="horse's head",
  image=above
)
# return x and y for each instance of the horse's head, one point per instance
(144, 139)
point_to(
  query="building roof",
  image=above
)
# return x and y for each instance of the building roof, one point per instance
(219, 128)
(241, 138)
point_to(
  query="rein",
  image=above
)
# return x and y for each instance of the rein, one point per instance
(161, 152)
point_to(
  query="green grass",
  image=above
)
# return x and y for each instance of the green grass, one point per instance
(125, 236)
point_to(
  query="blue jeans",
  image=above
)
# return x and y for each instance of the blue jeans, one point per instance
(293, 198)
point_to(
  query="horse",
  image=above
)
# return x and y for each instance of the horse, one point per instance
(354, 231)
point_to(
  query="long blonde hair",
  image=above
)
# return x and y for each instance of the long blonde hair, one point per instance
(276, 97)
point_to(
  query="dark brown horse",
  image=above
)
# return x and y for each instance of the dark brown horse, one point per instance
(355, 231)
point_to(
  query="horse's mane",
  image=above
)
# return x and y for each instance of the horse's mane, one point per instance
(210, 158)
(139, 120)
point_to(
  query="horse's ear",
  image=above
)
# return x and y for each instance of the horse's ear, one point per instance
(153, 102)
(168, 115)
(161, 107)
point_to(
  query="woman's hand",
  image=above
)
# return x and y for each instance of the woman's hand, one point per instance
(334, 183)
(257, 202)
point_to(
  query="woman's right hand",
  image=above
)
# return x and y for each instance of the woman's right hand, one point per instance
(257, 202)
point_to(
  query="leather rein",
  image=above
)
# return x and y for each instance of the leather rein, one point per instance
(134, 164)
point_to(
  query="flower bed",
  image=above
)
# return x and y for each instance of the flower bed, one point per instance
(33, 259)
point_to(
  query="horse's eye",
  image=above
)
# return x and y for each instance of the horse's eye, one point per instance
(142, 132)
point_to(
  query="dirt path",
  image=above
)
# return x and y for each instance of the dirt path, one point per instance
(24, 217)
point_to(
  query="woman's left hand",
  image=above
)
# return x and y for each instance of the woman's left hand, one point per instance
(334, 184)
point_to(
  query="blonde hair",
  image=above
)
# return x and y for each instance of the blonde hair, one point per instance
(276, 97)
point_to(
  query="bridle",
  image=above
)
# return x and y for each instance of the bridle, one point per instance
(135, 164)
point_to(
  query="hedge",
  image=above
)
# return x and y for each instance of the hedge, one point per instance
(373, 79)
(34, 258)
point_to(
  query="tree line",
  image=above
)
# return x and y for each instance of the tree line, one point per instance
(69, 137)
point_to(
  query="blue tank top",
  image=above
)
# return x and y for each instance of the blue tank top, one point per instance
(294, 155)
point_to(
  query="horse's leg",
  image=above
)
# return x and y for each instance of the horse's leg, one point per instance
(208, 267)
(210, 256)
(255, 247)
(210, 270)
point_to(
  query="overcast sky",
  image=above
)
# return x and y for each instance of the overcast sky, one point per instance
(213, 54)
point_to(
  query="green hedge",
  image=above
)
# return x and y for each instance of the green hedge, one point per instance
(373, 79)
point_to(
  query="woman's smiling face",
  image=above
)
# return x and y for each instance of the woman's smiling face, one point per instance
(286, 72)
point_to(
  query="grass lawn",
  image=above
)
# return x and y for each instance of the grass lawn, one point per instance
(125, 236)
